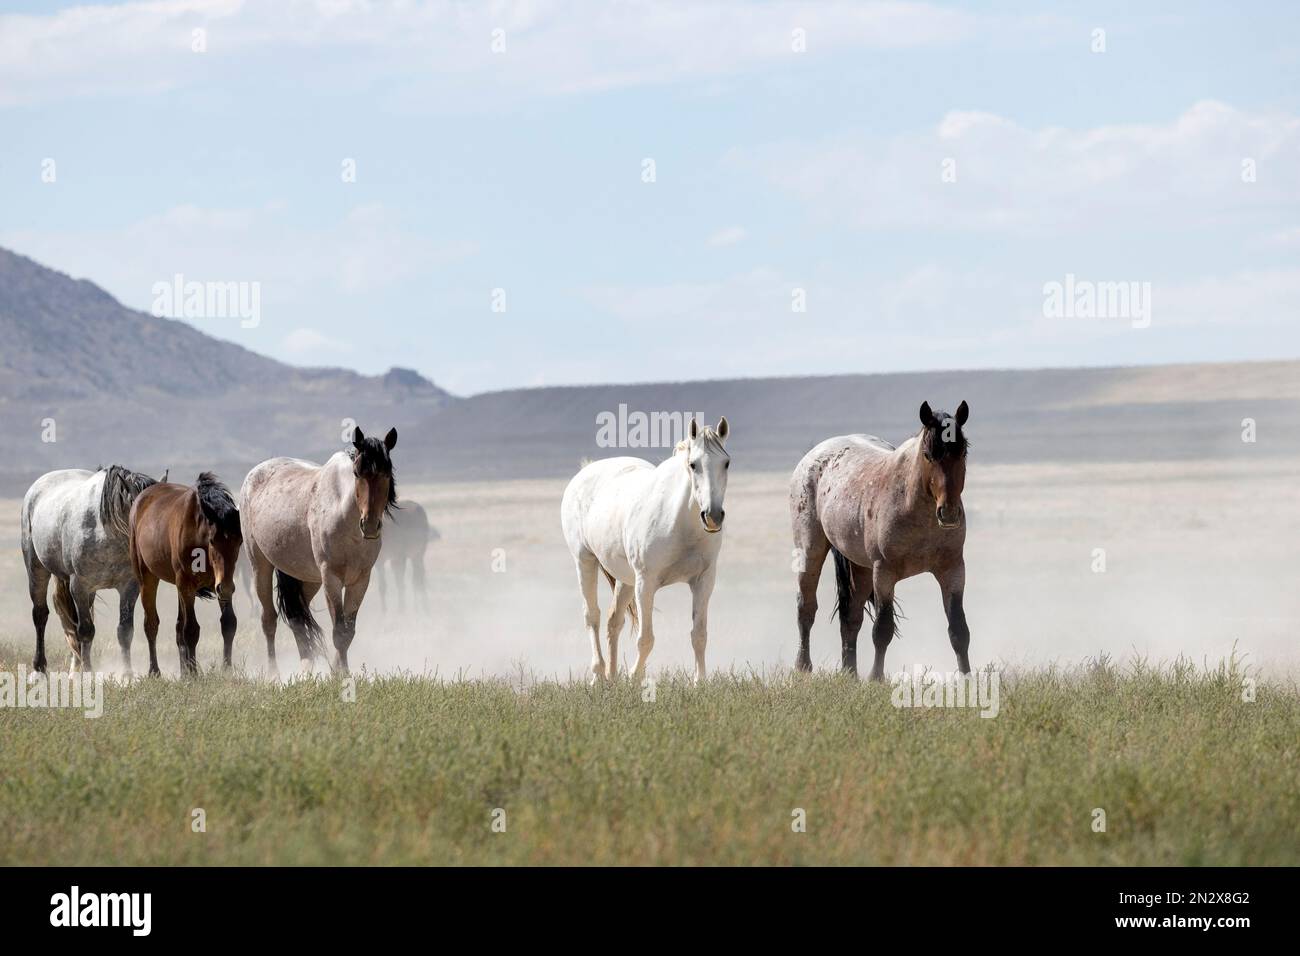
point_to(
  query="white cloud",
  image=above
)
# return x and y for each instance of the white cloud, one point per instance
(309, 342)
(551, 47)
(1045, 181)
(367, 250)
(728, 236)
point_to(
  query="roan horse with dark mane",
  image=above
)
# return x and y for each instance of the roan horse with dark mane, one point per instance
(190, 538)
(886, 514)
(317, 525)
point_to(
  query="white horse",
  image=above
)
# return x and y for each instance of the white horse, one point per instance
(647, 527)
(74, 528)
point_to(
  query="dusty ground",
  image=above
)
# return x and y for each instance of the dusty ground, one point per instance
(1200, 558)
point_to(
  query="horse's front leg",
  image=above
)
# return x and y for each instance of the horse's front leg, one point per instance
(187, 629)
(952, 584)
(882, 632)
(127, 596)
(228, 625)
(149, 601)
(701, 591)
(352, 598)
(644, 596)
(811, 548)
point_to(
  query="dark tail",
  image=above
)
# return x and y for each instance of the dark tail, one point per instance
(293, 607)
(843, 581)
(63, 603)
(844, 585)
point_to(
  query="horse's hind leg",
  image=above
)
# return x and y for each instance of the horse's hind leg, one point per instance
(83, 599)
(853, 585)
(624, 594)
(952, 583)
(882, 632)
(811, 548)
(419, 584)
(264, 587)
(588, 567)
(126, 597)
(38, 587)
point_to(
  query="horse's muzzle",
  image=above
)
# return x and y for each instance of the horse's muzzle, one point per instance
(711, 523)
(950, 521)
(371, 537)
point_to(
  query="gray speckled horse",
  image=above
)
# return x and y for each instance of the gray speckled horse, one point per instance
(74, 528)
(886, 514)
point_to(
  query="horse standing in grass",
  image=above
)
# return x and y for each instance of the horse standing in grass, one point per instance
(315, 526)
(74, 528)
(645, 527)
(886, 514)
(405, 543)
(190, 538)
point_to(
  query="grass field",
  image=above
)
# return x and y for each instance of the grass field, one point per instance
(412, 771)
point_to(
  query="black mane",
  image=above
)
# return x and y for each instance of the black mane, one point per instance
(371, 459)
(121, 487)
(217, 504)
(935, 444)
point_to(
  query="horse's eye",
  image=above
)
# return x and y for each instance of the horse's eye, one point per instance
(695, 466)
(726, 465)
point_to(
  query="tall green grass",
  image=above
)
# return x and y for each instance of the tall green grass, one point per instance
(412, 771)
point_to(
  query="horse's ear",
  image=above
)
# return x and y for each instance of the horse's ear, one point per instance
(963, 413)
(723, 428)
(357, 437)
(390, 440)
(695, 430)
(927, 416)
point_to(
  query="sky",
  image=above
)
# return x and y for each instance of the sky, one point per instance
(594, 192)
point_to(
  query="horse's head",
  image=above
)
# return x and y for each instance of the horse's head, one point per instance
(707, 462)
(943, 462)
(223, 531)
(375, 489)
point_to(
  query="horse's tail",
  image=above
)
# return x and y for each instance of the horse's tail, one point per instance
(631, 605)
(63, 603)
(843, 581)
(844, 585)
(293, 607)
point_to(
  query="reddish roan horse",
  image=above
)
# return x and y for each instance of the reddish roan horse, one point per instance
(886, 514)
(190, 538)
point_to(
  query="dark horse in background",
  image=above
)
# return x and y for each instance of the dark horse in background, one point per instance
(190, 538)
(405, 542)
(886, 514)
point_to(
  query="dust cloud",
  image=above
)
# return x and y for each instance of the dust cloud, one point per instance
(1200, 559)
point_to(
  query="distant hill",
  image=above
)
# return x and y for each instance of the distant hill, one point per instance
(1070, 415)
(152, 393)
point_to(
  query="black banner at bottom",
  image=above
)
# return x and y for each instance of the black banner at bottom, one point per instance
(223, 906)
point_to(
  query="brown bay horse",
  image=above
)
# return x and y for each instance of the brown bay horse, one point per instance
(190, 538)
(886, 514)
